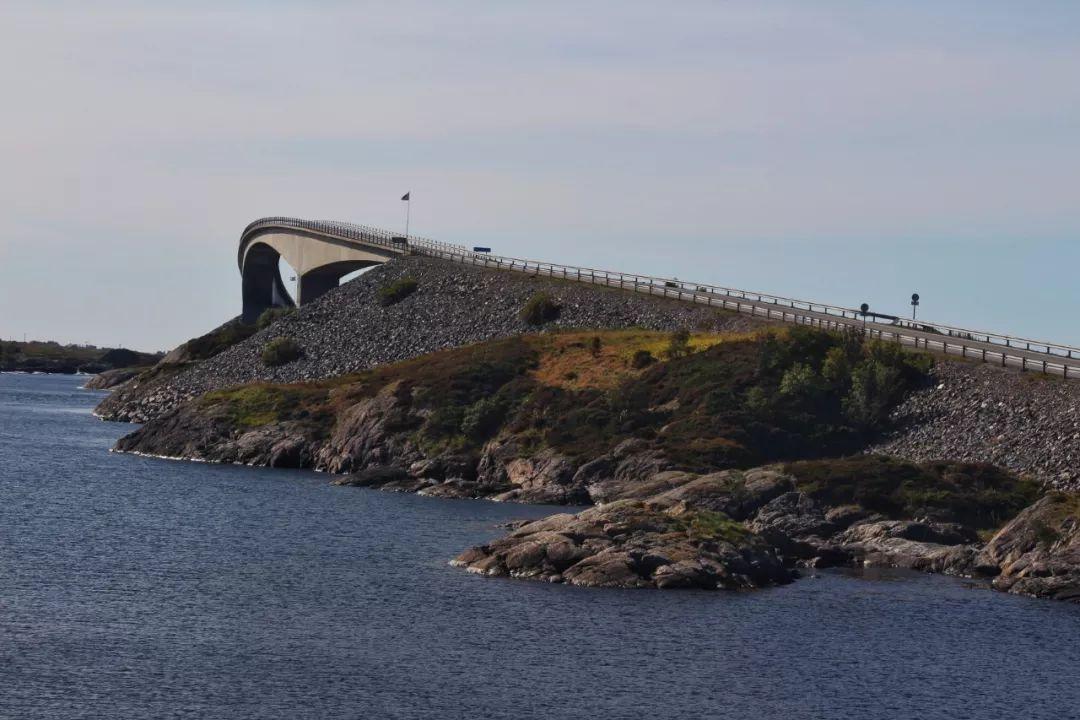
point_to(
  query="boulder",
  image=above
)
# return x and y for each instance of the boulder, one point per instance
(1038, 552)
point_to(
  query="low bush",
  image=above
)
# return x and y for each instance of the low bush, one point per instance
(678, 345)
(642, 359)
(281, 351)
(540, 309)
(397, 291)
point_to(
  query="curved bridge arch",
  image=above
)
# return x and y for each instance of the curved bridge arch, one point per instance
(320, 252)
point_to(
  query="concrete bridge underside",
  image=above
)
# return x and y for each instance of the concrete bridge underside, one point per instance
(319, 261)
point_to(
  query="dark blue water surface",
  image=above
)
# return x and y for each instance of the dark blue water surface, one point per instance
(139, 588)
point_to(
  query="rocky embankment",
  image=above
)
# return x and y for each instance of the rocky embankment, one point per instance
(349, 330)
(1028, 423)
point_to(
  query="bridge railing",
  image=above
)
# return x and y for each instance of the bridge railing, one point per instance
(1006, 350)
(941, 338)
(351, 231)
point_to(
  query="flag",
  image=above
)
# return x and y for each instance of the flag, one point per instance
(405, 197)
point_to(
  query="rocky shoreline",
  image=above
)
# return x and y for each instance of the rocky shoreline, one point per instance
(654, 525)
(440, 393)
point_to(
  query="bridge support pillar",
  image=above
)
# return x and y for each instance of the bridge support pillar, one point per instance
(313, 284)
(262, 287)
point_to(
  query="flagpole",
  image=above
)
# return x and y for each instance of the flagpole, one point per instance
(408, 207)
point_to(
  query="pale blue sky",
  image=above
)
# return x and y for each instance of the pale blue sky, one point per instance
(839, 151)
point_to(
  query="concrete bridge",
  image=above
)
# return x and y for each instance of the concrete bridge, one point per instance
(322, 252)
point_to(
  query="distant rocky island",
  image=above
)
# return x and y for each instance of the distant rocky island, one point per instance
(45, 356)
(718, 451)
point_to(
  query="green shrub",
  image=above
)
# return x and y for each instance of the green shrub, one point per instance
(483, 417)
(281, 351)
(836, 370)
(642, 359)
(397, 291)
(874, 385)
(271, 315)
(801, 382)
(974, 494)
(540, 309)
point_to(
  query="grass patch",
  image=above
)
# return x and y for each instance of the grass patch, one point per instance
(217, 340)
(259, 404)
(574, 361)
(706, 525)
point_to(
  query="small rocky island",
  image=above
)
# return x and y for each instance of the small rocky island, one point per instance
(717, 451)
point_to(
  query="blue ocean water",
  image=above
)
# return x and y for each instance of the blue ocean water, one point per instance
(140, 588)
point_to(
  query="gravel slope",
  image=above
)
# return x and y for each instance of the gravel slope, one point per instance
(347, 330)
(1028, 423)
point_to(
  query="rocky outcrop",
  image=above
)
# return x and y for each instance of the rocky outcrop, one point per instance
(542, 477)
(1038, 553)
(111, 379)
(1027, 423)
(197, 436)
(630, 544)
(808, 533)
(348, 329)
(652, 540)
